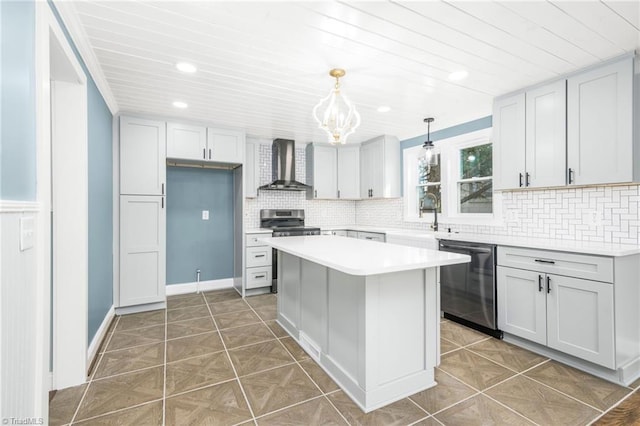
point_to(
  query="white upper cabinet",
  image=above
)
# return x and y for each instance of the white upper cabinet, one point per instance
(509, 142)
(349, 172)
(142, 156)
(251, 168)
(600, 125)
(380, 168)
(186, 142)
(322, 174)
(225, 146)
(546, 129)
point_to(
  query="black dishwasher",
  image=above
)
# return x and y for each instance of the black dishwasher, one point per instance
(469, 289)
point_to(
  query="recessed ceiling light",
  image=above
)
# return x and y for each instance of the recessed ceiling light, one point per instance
(180, 104)
(186, 67)
(458, 75)
(384, 108)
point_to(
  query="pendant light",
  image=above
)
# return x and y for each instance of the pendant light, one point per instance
(335, 114)
(430, 156)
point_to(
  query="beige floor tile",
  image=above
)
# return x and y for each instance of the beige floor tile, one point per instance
(228, 306)
(402, 412)
(64, 404)
(635, 385)
(507, 354)
(292, 346)
(541, 404)
(318, 375)
(589, 389)
(625, 414)
(126, 390)
(136, 337)
(447, 392)
(144, 415)
(276, 328)
(192, 312)
(315, 412)
(190, 327)
(479, 411)
(185, 301)
(473, 370)
(221, 295)
(447, 346)
(459, 334)
(198, 372)
(429, 421)
(246, 335)
(278, 388)
(222, 404)
(262, 300)
(199, 344)
(259, 357)
(236, 319)
(140, 320)
(130, 359)
(267, 313)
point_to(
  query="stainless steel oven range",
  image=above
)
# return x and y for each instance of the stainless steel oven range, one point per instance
(284, 223)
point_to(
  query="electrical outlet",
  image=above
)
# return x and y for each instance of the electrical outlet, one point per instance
(27, 232)
(205, 214)
(593, 218)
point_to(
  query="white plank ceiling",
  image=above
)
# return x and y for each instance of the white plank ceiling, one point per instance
(262, 66)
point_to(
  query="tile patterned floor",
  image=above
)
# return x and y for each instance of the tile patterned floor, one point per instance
(215, 359)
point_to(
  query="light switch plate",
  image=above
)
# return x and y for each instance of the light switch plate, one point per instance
(27, 232)
(205, 214)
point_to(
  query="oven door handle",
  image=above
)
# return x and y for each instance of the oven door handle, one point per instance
(469, 248)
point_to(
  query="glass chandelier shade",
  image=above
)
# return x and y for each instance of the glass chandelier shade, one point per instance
(430, 156)
(335, 114)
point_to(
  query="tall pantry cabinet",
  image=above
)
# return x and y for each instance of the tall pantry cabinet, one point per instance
(142, 271)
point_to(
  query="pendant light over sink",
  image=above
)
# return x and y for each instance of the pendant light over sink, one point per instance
(430, 157)
(335, 114)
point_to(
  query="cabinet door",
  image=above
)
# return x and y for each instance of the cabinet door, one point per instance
(349, 172)
(546, 153)
(580, 319)
(509, 142)
(142, 156)
(325, 163)
(522, 304)
(142, 250)
(186, 142)
(377, 169)
(225, 146)
(365, 171)
(251, 170)
(600, 124)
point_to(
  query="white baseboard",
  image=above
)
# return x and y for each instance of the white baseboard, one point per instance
(99, 336)
(145, 307)
(185, 288)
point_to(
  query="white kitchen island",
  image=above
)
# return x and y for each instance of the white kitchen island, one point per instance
(367, 312)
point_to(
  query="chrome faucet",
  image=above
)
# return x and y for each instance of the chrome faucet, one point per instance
(434, 209)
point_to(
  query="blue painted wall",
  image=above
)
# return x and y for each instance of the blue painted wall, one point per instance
(18, 101)
(193, 243)
(449, 132)
(100, 199)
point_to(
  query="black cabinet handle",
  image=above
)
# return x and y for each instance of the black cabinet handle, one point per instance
(539, 283)
(526, 180)
(315, 193)
(204, 153)
(162, 202)
(338, 193)
(259, 276)
(209, 153)
(260, 255)
(548, 284)
(520, 180)
(551, 262)
(570, 175)
(163, 189)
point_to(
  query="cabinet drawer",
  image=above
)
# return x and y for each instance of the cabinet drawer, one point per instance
(372, 236)
(259, 277)
(252, 239)
(258, 256)
(596, 268)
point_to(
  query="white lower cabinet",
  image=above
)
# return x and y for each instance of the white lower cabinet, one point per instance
(568, 314)
(371, 236)
(258, 258)
(142, 250)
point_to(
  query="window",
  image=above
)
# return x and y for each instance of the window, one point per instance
(461, 183)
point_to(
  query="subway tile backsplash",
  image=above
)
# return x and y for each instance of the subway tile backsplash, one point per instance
(599, 213)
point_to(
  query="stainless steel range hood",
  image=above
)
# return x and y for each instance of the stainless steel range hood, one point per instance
(283, 168)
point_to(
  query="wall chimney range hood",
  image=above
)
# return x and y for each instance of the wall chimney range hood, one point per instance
(283, 167)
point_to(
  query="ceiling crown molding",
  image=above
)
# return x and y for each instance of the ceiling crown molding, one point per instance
(69, 16)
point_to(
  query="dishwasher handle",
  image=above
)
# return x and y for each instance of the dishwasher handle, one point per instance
(476, 249)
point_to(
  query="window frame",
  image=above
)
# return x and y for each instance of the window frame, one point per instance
(450, 175)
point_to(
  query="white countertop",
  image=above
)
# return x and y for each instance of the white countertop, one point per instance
(258, 231)
(584, 247)
(362, 257)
